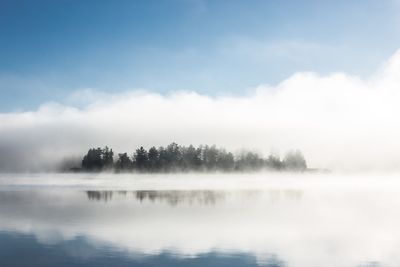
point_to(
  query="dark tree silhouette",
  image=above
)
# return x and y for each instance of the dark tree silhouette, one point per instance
(153, 159)
(141, 159)
(294, 161)
(225, 161)
(210, 157)
(163, 159)
(108, 158)
(249, 161)
(274, 162)
(173, 156)
(98, 159)
(191, 158)
(124, 163)
(182, 158)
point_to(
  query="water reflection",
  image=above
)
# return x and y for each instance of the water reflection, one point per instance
(287, 227)
(175, 197)
(100, 195)
(172, 197)
(25, 250)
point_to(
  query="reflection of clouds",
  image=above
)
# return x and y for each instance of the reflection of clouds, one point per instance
(301, 227)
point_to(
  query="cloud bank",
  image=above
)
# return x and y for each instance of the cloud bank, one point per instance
(339, 121)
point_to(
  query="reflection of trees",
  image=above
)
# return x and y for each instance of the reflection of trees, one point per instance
(206, 197)
(203, 197)
(172, 197)
(99, 195)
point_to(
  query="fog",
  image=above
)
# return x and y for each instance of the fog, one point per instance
(339, 121)
(196, 181)
(308, 223)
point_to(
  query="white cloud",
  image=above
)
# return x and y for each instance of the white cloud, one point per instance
(339, 121)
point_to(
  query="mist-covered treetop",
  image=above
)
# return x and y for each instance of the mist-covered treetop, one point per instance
(174, 158)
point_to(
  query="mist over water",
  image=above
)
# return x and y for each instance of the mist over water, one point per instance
(199, 133)
(339, 121)
(288, 220)
(349, 217)
(198, 181)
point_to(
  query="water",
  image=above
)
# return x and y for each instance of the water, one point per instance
(199, 220)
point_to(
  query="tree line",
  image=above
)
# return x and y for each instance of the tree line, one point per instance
(174, 158)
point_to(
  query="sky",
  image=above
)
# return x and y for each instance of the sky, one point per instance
(269, 76)
(51, 49)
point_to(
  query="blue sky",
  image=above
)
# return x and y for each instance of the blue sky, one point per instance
(49, 49)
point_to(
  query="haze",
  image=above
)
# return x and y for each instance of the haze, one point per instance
(339, 121)
(345, 222)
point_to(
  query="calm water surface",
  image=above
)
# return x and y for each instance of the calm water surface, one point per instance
(238, 221)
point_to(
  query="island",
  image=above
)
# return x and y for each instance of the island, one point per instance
(177, 158)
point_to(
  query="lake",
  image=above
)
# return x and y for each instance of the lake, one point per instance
(199, 220)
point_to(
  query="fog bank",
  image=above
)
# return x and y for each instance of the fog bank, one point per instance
(341, 224)
(338, 121)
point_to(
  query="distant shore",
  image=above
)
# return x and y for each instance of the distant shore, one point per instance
(181, 159)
